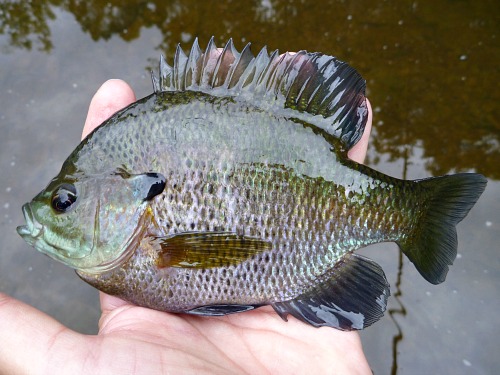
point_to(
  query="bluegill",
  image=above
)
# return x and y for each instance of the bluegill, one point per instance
(230, 188)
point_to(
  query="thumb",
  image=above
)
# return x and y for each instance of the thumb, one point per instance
(32, 338)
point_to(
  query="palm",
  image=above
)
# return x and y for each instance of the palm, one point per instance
(136, 340)
(252, 342)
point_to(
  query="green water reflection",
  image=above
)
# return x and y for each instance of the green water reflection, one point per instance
(432, 70)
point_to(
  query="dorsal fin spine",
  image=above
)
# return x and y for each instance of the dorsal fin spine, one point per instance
(239, 66)
(192, 66)
(180, 61)
(274, 75)
(166, 73)
(224, 61)
(235, 56)
(156, 82)
(266, 73)
(278, 74)
(258, 65)
(208, 66)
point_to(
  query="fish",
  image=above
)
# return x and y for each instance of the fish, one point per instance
(230, 188)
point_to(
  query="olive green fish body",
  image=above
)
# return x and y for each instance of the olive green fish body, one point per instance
(230, 188)
(267, 184)
(311, 225)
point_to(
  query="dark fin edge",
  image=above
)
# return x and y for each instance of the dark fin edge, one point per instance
(307, 83)
(220, 310)
(352, 297)
(432, 247)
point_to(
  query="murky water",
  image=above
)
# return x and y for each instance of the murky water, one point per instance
(432, 74)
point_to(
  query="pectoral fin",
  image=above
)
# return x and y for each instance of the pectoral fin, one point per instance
(353, 297)
(207, 249)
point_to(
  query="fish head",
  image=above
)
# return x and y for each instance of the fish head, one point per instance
(92, 222)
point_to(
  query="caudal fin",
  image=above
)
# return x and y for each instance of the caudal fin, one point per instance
(433, 245)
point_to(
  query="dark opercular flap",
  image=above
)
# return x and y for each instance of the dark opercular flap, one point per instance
(145, 185)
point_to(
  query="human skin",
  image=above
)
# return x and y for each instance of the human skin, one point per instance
(137, 340)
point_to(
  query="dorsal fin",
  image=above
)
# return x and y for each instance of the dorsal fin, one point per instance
(311, 87)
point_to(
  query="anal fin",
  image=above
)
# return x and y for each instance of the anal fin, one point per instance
(219, 310)
(353, 297)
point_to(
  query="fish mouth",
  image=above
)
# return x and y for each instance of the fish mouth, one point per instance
(33, 234)
(33, 229)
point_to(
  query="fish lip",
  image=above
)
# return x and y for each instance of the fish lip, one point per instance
(23, 230)
(33, 231)
(32, 228)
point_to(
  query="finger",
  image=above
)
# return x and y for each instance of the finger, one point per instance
(30, 338)
(358, 152)
(109, 306)
(112, 96)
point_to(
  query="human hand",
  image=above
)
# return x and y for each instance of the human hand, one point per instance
(137, 340)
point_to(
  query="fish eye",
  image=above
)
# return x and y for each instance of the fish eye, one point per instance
(63, 198)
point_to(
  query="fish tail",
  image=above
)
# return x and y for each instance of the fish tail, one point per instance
(433, 244)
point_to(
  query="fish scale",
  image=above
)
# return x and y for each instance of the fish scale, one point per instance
(302, 275)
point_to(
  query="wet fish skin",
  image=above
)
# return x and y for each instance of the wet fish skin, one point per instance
(211, 197)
